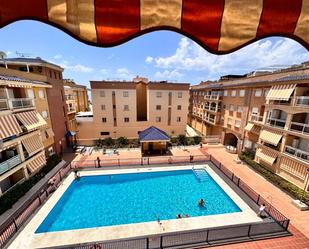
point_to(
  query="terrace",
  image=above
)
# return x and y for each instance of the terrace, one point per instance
(300, 123)
(277, 118)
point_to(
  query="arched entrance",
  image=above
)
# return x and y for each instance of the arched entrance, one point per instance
(230, 139)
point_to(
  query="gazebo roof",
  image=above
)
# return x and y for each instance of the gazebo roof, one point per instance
(153, 134)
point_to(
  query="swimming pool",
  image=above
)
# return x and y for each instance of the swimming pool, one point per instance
(107, 200)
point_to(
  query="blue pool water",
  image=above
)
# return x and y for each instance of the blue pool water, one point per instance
(94, 201)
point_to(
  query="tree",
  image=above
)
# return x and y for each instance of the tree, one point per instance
(182, 139)
(108, 141)
(121, 141)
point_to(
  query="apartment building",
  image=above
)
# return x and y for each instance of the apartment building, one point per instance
(265, 112)
(25, 129)
(37, 69)
(76, 98)
(124, 108)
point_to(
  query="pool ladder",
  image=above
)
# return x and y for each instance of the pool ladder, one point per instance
(200, 174)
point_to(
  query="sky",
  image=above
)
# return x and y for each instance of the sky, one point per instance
(160, 55)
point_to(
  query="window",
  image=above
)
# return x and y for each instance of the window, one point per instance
(258, 93)
(179, 107)
(179, 94)
(41, 94)
(158, 119)
(266, 92)
(104, 133)
(126, 120)
(113, 93)
(45, 114)
(103, 120)
(239, 109)
(231, 108)
(158, 107)
(237, 123)
(126, 107)
(114, 106)
(159, 94)
(248, 144)
(242, 93)
(233, 93)
(225, 93)
(178, 119)
(125, 94)
(50, 74)
(51, 151)
(30, 93)
(102, 93)
(255, 111)
(103, 107)
(229, 121)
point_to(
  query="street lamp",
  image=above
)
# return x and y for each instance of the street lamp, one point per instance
(304, 190)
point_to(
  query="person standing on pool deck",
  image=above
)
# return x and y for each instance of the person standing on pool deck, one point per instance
(99, 161)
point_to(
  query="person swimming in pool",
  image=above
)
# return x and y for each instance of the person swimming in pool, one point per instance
(201, 203)
(178, 216)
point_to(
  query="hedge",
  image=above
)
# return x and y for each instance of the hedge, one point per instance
(8, 199)
(277, 180)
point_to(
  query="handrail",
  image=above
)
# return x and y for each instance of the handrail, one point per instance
(256, 118)
(4, 105)
(17, 103)
(9, 164)
(297, 152)
(276, 122)
(302, 101)
(304, 128)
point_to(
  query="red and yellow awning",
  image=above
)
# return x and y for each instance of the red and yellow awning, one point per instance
(220, 26)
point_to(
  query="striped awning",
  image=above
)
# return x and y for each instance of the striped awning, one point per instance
(19, 84)
(280, 92)
(266, 155)
(36, 163)
(253, 128)
(271, 137)
(219, 26)
(33, 144)
(31, 120)
(9, 126)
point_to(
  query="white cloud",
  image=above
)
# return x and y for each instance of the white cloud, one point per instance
(124, 73)
(104, 71)
(189, 56)
(169, 74)
(78, 68)
(149, 59)
(57, 57)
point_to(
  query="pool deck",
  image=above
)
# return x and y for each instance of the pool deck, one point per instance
(28, 239)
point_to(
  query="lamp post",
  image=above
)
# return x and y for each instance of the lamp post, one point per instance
(304, 190)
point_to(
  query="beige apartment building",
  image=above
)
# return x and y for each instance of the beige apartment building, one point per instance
(37, 69)
(124, 108)
(25, 129)
(267, 112)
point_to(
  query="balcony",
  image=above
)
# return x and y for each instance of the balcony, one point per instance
(4, 105)
(209, 119)
(299, 127)
(256, 118)
(21, 103)
(69, 97)
(280, 123)
(302, 101)
(212, 97)
(9, 164)
(211, 108)
(297, 153)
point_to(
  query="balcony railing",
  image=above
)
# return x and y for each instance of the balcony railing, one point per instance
(211, 108)
(302, 101)
(71, 109)
(69, 97)
(209, 119)
(297, 152)
(276, 122)
(4, 105)
(9, 164)
(299, 127)
(212, 97)
(20, 103)
(256, 118)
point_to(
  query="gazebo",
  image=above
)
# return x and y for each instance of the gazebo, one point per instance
(153, 141)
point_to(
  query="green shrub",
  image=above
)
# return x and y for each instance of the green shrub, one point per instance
(181, 140)
(197, 139)
(277, 180)
(8, 199)
(108, 141)
(121, 142)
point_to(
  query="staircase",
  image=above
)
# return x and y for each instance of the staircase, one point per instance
(200, 174)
